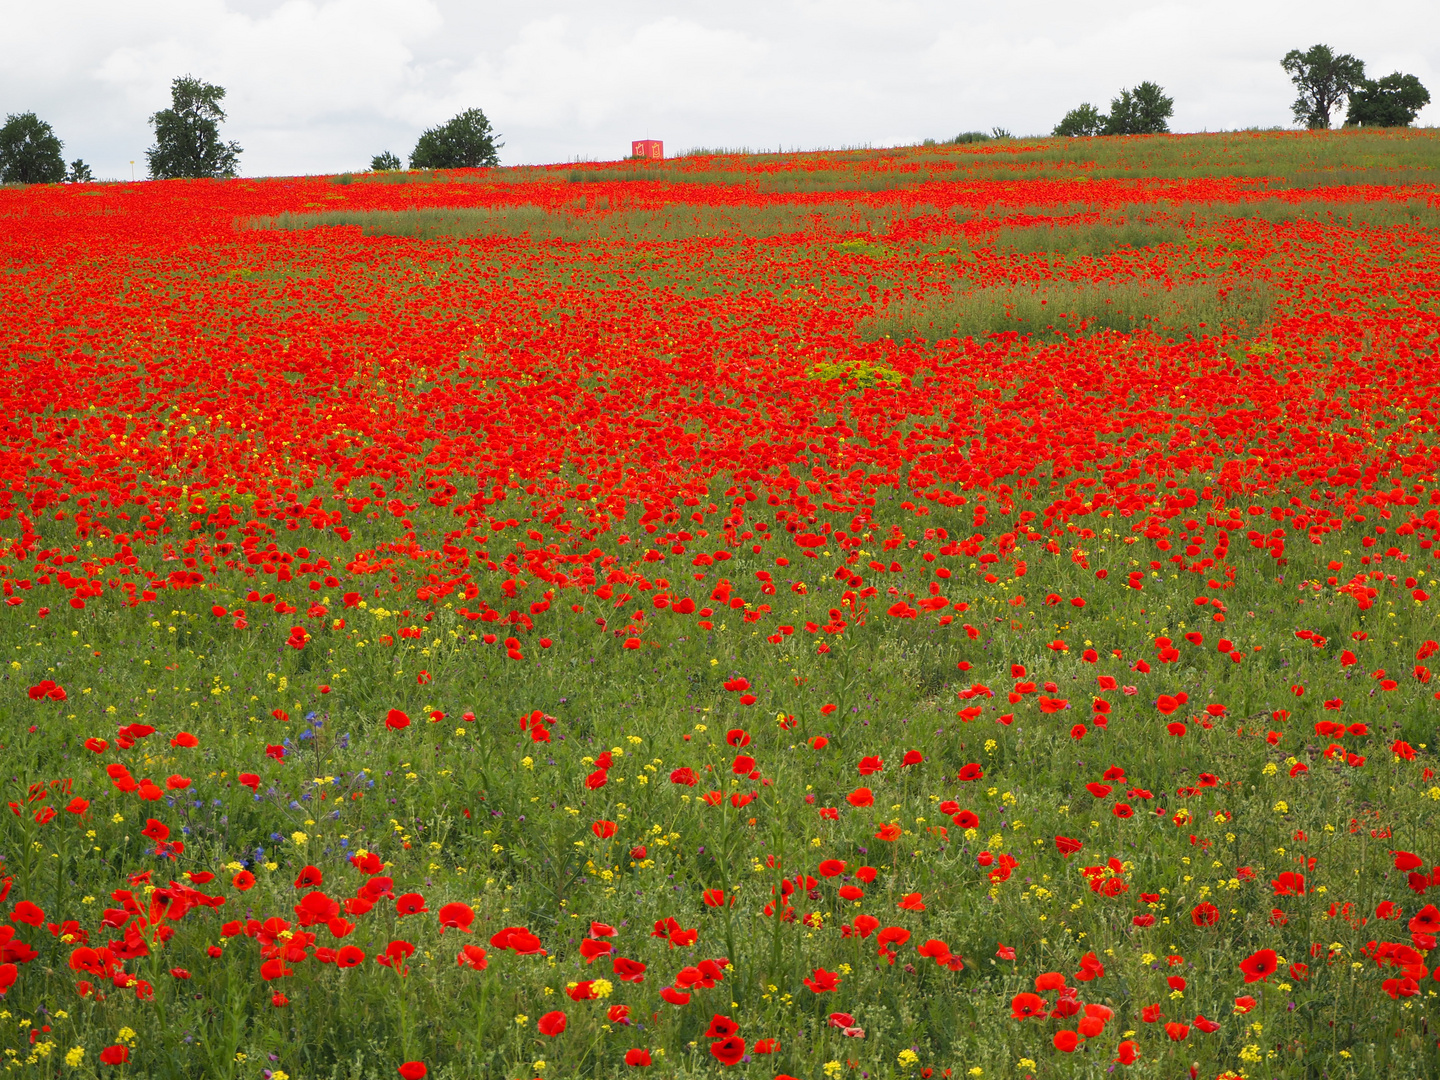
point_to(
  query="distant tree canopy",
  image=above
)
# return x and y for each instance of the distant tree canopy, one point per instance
(79, 172)
(1145, 110)
(1391, 101)
(1324, 81)
(385, 161)
(463, 142)
(29, 151)
(187, 135)
(1080, 122)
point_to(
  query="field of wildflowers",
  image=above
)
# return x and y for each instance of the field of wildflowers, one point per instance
(942, 612)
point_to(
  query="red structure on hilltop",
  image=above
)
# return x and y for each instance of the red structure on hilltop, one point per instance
(648, 148)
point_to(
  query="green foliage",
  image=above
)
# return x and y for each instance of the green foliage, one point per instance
(1324, 81)
(385, 161)
(864, 374)
(79, 172)
(29, 151)
(1144, 110)
(1081, 122)
(187, 135)
(1391, 101)
(971, 137)
(463, 142)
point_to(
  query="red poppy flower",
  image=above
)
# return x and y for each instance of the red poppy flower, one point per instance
(627, 970)
(456, 916)
(413, 1070)
(1259, 966)
(473, 957)
(728, 1051)
(821, 981)
(721, 1027)
(638, 1058)
(349, 956)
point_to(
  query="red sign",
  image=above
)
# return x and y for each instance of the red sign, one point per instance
(648, 148)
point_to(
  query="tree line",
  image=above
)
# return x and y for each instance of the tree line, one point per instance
(188, 141)
(1326, 81)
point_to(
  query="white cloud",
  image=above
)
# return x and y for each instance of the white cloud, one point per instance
(321, 85)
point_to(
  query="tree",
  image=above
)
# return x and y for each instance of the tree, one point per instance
(1084, 121)
(1391, 101)
(187, 135)
(29, 151)
(1142, 111)
(463, 142)
(385, 161)
(1324, 81)
(79, 173)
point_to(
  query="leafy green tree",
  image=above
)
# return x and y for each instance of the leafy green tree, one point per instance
(1324, 80)
(463, 142)
(1144, 110)
(29, 151)
(1391, 101)
(79, 172)
(187, 135)
(385, 161)
(1081, 122)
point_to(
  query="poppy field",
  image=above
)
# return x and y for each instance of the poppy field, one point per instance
(950, 611)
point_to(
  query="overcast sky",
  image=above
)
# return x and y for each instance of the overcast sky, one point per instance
(321, 85)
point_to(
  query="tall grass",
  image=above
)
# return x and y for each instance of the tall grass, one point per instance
(1349, 215)
(1095, 239)
(1055, 310)
(678, 222)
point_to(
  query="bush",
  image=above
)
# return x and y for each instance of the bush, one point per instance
(187, 135)
(385, 161)
(79, 173)
(29, 151)
(464, 142)
(1389, 102)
